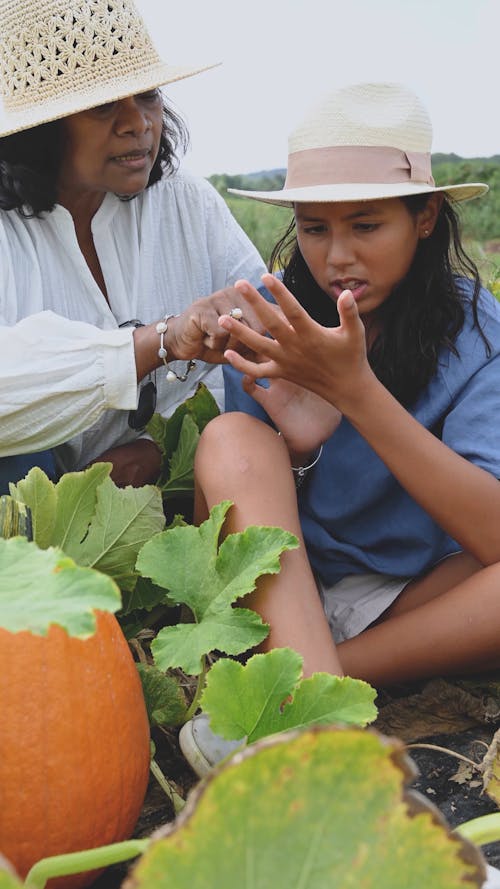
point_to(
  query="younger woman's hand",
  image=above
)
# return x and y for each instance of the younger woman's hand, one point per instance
(331, 362)
(304, 419)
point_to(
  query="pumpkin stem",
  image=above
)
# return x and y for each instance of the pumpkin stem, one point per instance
(485, 829)
(199, 690)
(77, 862)
(177, 802)
(15, 518)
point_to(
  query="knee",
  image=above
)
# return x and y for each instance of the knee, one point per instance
(236, 439)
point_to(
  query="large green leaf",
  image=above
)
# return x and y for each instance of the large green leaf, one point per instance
(250, 700)
(180, 558)
(189, 563)
(124, 519)
(76, 502)
(319, 809)
(43, 587)
(181, 466)
(92, 520)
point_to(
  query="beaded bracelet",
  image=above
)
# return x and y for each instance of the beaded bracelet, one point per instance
(161, 329)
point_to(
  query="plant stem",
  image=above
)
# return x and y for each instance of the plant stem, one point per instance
(485, 829)
(475, 765)
(199, 690)
(176, 800)
(76, 862)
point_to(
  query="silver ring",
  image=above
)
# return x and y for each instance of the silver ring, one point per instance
(236, 313)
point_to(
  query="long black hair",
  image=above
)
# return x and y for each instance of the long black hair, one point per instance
(424, 313)
(30, 162)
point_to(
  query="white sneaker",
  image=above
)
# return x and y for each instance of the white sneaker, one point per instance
(202, 748)
(493, 881)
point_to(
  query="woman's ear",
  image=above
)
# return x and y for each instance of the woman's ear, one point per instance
(427, 217)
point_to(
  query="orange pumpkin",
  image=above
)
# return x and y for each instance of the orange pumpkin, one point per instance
(74, 744)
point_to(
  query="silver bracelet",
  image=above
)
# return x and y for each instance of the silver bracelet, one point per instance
(301, 470)
(172, 376)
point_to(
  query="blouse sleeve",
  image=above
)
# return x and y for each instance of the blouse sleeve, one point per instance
(58, 377)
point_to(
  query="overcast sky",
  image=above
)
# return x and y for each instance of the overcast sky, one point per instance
(280, 56)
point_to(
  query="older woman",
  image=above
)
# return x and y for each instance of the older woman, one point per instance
(113, 263)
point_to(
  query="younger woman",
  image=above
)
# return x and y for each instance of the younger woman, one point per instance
(383, 370)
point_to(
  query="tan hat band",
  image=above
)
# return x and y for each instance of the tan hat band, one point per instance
(357, 163)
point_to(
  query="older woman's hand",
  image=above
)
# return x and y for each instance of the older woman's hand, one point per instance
(197, 332)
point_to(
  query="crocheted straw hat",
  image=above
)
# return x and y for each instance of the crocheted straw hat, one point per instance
(58, 57)
(363, 142)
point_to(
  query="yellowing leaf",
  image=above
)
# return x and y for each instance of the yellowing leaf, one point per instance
(491, 766)
(318, 809)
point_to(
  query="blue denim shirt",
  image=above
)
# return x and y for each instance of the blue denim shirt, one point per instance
(355, 516)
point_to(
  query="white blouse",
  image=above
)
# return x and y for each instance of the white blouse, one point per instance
(68, 374)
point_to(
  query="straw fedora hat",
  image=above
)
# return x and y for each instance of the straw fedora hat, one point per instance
(58, 57)
(363, 142)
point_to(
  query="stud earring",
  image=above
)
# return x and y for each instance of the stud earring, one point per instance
(426, 232)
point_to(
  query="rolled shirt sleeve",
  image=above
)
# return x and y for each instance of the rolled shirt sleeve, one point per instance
(58, 377)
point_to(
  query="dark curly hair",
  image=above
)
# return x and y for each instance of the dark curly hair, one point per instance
(423, 314)
(30, 163)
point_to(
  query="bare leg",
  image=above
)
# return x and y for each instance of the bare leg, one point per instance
(446, 623)
(243, 460)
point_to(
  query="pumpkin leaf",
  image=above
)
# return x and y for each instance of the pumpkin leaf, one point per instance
(184, 645)
(43, 587)
(181, 464)
(209, 579)
(326, 807)
(188, 562)
(76, 502)
(123, 520)
(92, 520)
(145, 596)
(166, 432)
(250, 700)
(165, 700)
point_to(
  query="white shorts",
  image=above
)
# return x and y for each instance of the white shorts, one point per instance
(354, 602)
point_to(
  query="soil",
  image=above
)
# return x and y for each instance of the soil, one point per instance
(461, 718)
